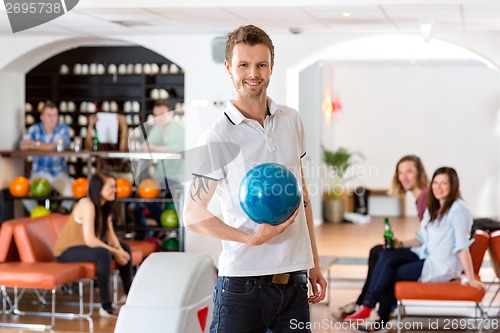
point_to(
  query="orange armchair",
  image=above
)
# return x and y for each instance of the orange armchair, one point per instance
(448, 291)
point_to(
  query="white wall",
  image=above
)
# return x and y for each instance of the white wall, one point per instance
(446, 115)
(11, 97)
(311, 92)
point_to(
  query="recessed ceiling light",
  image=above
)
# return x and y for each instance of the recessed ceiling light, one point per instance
(346, 14)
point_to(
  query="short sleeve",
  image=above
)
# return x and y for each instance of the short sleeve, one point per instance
(302, 137)
(461, 221)
(211, 157)
(31, 134)
(421, 203)
(154, 136)
(178, 143)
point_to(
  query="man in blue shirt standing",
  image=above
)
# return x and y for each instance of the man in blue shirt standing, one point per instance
(46, 136)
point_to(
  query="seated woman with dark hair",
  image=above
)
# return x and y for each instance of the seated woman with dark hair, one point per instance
(88, 236)
(439, 253)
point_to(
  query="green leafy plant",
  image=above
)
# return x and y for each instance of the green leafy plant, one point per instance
(338, 161)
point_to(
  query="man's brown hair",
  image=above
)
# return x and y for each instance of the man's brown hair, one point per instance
(164, 103)
(48, 105)
(250, 35)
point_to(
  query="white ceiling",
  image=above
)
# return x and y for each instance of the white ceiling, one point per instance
(93, 17)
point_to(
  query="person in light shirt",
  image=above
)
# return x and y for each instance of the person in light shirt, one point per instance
(439, 253)
(409, 176)
(46, 136)
(264, 269)
(166, 135)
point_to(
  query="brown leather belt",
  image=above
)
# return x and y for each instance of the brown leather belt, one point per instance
(283, 278)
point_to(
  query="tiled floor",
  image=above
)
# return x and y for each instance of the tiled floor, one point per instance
(351, 243)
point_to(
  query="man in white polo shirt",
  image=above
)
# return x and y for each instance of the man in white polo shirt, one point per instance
(263, 269)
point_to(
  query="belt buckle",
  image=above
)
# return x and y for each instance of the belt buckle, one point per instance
(280, 278)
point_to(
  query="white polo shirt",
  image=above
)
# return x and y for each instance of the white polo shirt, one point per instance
(282, 141)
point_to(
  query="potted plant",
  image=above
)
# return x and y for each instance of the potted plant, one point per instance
(338, 162)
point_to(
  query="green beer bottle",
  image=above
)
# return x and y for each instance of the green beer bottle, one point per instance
(95, 141)
(388, 236)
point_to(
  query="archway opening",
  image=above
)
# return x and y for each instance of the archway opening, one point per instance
(400, 95)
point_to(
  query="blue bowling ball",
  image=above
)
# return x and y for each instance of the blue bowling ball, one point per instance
(270, 193)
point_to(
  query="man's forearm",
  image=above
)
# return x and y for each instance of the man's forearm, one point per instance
(207, 224)
(36, 145)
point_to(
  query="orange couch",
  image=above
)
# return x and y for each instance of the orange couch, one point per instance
(38, 275)
(35, 240)
(27, 261)
(448, 291)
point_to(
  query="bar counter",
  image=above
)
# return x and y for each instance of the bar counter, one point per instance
(89, 156)
(89, 153)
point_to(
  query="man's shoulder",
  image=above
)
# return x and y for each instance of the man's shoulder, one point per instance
(286, 108)
(424, 193)
(178, 125)
(287, 111)
(222, 122)
(62, 127)
(36, 127)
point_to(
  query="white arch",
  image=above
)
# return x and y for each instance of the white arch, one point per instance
(381, 47)
(378, 48)
(39, 53)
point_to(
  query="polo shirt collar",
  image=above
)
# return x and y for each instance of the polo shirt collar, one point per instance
(235, 117)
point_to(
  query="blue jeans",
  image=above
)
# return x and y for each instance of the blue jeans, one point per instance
(372, 261)
(391, 266)
(246, 305)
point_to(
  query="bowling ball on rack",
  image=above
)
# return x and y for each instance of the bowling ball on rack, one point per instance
(170, 245)
(19, 187)
(148, 188)
(270, 193)
(169, 219)
(123, 188)
(39, 211)
(40, 187)
(80, 187)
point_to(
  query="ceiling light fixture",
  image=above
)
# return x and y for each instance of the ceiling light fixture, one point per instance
(346, 14)
(426, 30)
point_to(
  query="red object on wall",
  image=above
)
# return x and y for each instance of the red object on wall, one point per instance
(336, 104)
